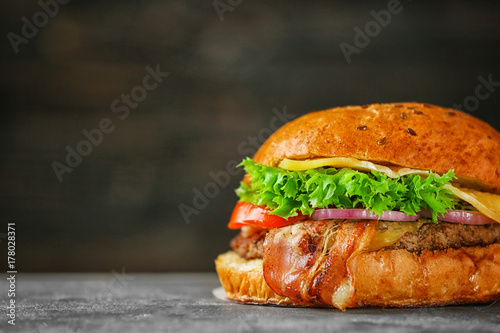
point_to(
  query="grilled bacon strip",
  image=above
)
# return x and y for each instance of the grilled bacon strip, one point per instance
(311, 262)
(335, 282)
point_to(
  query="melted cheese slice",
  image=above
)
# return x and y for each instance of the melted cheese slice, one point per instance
(348, 162)
(486, 203)
(388, 233)
(343, 294)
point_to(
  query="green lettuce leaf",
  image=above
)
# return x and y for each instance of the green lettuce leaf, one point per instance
(288, 192)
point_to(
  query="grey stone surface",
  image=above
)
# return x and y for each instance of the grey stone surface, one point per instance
(129, 302)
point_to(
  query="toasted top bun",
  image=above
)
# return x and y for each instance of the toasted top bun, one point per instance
(412, 135)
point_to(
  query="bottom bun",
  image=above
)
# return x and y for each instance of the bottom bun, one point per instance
(386, 278)
(243, 281)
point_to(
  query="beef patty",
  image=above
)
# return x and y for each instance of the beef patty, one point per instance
(429, 236)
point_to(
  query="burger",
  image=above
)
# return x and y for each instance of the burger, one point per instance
(382, 205)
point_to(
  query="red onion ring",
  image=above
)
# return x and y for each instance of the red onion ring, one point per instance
(461, 216)
(365, 214)
(452, 216)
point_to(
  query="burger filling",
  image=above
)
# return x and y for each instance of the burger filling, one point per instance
(309, 220)
(412, 236)
(275, 196)
(288, 193)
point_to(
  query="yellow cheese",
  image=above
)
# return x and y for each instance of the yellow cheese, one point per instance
(348, 162)
(388, 233)
(486, 203)
(343, 295)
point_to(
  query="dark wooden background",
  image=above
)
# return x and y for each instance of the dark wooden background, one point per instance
(119, 209)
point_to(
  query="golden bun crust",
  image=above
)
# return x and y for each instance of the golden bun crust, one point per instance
(243, 281)
(413, 135)
(386, 278)
(433, 278)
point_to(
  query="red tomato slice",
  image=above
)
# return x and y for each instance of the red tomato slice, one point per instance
(246, 213)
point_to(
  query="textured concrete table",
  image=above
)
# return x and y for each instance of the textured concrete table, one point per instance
(128, 302)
